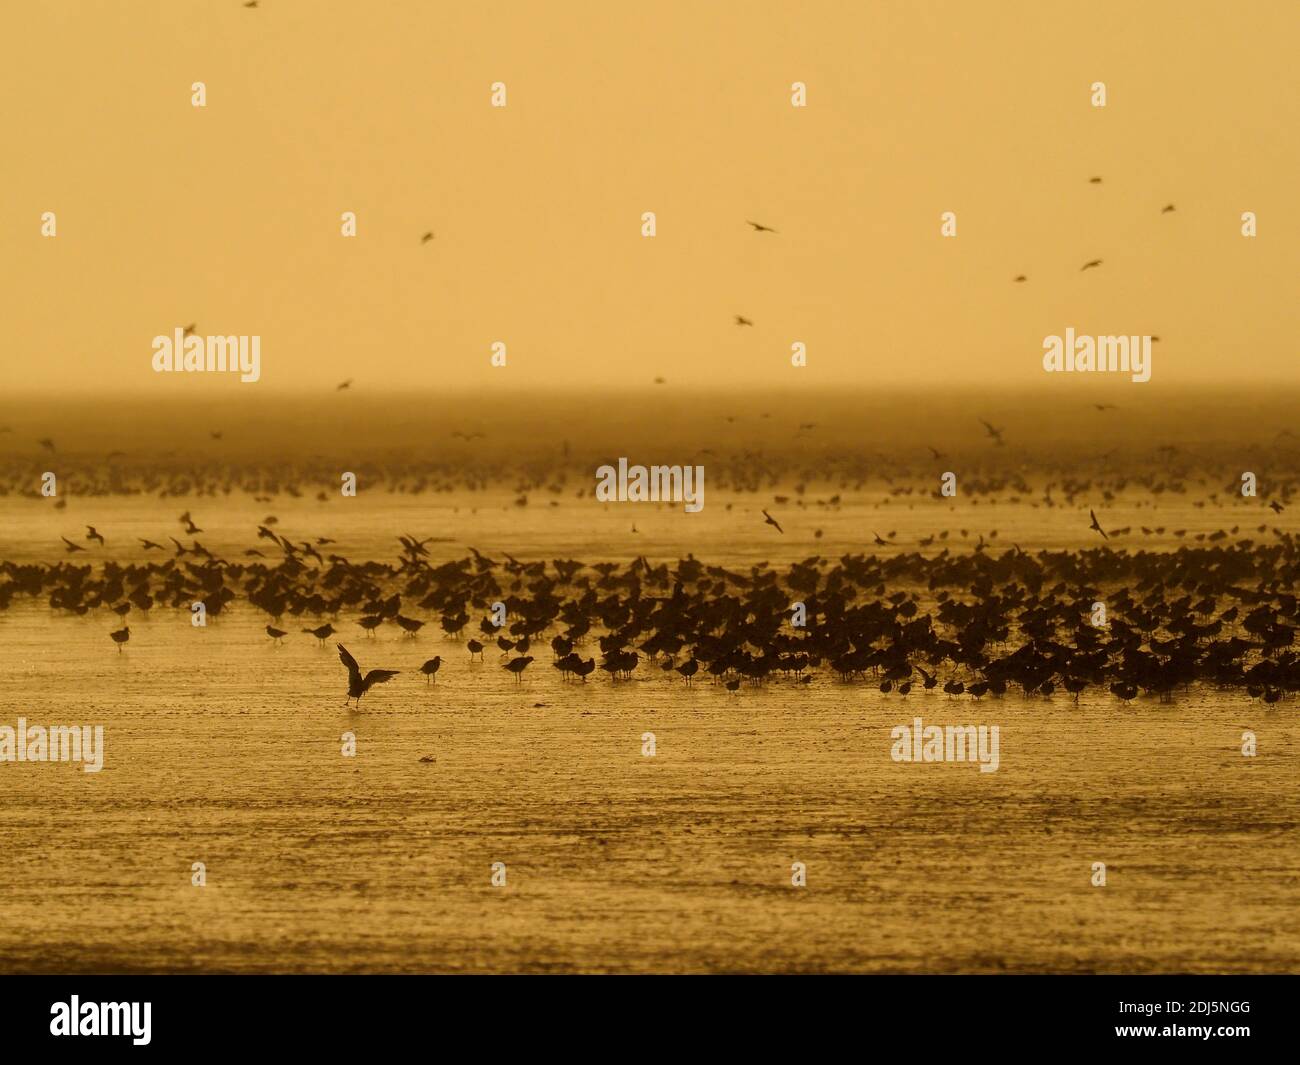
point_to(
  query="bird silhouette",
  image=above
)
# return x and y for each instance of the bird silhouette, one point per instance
(742, 320)
(431, 667)
(427, 237)
(1090, 264)
(91, 534)
(149, 545)
(121, 636)
(276, 634)
(357, 684)
(760, 228)
(1167, 209)
(72, 548)
(189, 329)
(1105, 406)
(517, 665)
(769, 520)
(995, 434)
(1020, 277)
(322, 632)
(344, 385)
(1094, 181)
(1096, 524)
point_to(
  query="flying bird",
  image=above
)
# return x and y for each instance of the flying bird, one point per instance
(760, 228)
(149, 545)
(357, 684)
(1105, 406)
(1096, 524)
(71, 546)
(1089, 265)
(46, 443)
(996, 434)
(427, 237)
(1021, 277)
(769, 520)
(742, 320)
(1276, 507)
(1094, 181)
(345, 384)
(189, 329)
(1167, 209)
(91, 534)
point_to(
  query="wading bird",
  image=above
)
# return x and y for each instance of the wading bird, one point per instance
(357, 684)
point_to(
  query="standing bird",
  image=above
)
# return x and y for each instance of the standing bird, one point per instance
(91, 534)
(431, 667)
(769, 520)
(409, 625)
(517, 666)
(1096, 524)
(276, 634)
(322, 632)
(357, 684)
(475, 648)
(121, 636)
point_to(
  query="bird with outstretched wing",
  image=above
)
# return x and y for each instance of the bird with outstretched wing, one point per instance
(357, 684)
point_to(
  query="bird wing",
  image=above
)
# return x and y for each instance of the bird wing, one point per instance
(354, 670)
(379, 676)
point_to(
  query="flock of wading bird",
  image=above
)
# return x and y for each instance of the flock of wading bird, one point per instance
(978, 623)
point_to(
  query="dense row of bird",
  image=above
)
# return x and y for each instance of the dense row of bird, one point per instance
(803, 472)
(972, 623)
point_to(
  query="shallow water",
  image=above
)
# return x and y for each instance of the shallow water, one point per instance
(224, 748)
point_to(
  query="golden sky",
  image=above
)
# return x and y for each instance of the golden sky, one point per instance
(229, 215)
